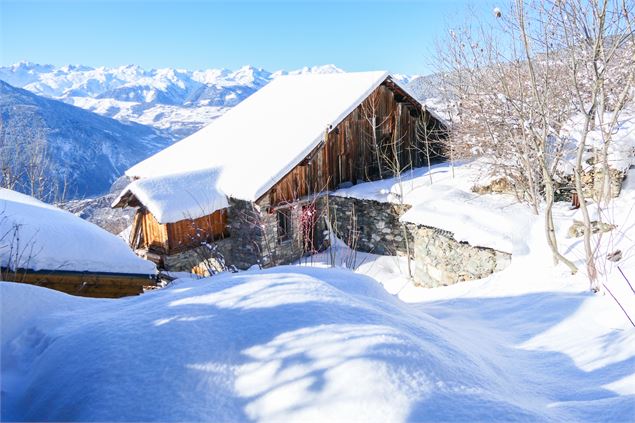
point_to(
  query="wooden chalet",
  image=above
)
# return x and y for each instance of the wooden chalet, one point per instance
(298, 137)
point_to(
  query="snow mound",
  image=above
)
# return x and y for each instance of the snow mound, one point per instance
(175, 197)
(37, 236)
(466, 216)
(286, 344)
(621, 150)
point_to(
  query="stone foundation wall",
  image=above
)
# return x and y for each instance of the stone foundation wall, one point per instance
(245, 234)
(367, 225)
(592, 183)
(198, 258)
(441, 260)
(253, 239)
(370, 226)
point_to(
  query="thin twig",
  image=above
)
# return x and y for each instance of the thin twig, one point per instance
(619, 304)
(625, 278)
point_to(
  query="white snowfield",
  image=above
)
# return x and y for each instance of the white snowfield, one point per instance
(179, 196)
(265, 136)
(308, 344)
(39, 236)
(304, 343)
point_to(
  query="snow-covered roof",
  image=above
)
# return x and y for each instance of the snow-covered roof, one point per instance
(54, 239)
(260, 140)
(177, 196)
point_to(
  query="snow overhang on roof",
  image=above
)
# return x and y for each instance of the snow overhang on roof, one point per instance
(178, 196)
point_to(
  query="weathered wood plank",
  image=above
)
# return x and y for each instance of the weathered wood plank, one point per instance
(86, 284)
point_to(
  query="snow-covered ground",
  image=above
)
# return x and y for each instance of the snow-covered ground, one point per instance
(310, 342)
(322, 343)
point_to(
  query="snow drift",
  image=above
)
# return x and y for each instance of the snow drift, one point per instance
(35, 235)
(285, 344)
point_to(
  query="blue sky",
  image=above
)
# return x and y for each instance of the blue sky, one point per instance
(355, 35)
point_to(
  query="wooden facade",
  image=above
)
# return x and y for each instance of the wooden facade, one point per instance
(170, 238)
(357, 150)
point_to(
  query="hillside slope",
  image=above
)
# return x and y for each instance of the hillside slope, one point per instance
(87, 152)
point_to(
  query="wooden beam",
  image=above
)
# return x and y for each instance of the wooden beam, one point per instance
(98, 284)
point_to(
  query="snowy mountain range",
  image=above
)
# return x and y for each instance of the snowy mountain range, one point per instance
(175, 100)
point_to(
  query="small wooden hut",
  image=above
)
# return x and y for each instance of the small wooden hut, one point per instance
(175, 212)
(45, 246)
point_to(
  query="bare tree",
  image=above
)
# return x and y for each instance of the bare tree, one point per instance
(431, 141)
(392, 160)
(519, 81)
(506, 81)
(371, 113)
(598, 39)
(26, 167)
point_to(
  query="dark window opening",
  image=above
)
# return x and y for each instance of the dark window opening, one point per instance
(284, 225)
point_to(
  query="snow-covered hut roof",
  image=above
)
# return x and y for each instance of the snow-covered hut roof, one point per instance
(261, 139)
(177, 196)
(54, 239)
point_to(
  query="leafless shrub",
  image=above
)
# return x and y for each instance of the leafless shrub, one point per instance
(17, 253)
(210, 261)
(518, 78)
(372, 116)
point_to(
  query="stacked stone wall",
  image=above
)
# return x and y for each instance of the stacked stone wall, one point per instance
(367, 225)
(371, 226)
(442, 260)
